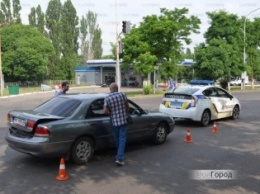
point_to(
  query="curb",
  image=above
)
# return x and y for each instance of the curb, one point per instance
(40, 92)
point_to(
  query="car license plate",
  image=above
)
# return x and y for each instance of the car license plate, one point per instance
(176, 104)
(20, 122)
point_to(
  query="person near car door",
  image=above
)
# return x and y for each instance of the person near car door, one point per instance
(116, 105)
(63, 90)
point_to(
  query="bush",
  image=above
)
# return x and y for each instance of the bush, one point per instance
(147, 89)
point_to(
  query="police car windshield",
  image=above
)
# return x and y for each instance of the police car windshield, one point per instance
(185, 90)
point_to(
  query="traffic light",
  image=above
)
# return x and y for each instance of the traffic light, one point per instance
(124, 27)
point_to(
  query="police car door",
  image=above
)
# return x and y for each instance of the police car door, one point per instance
(212, 96)
(225, 101)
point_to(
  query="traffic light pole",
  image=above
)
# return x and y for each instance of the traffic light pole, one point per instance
(118, 71)
(125, 30)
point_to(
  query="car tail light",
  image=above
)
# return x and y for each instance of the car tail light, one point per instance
(42, 131)
(194, 101)
(8, 117)
(30, 124)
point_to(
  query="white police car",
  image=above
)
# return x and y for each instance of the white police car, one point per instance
(201, 103)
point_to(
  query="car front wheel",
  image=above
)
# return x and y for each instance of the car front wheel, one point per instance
(160, 133)
(205, 118)
(82, 150)
(235, 113)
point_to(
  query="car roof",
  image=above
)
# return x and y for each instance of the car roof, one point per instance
(196, 86)
(201, 82)
(84, 96)
(192, 89)
(201, 87)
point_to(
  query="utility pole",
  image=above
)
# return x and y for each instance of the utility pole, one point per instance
(118, 72)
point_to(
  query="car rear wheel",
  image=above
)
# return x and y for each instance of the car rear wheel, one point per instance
(160, 133)
(235, 113)
(82, 150)
(205, 118)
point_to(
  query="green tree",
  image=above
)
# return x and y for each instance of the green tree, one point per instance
(69, 39)
(145, 63)
(221, 55)
(26, 53)
(224, 26)
(9, 11)
(161, 36)
(252, 48)
(215, 60)
(83, 39)
(53, 26)
(90, 37)
(69, 29)
(97, 44)
(52, 17)
(36, 19)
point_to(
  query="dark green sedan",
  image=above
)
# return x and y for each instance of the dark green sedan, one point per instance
(74, 126)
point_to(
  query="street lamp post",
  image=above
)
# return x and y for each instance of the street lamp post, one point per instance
(118, 72)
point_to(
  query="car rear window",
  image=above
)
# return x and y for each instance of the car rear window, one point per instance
(185, 90)
(59, 106)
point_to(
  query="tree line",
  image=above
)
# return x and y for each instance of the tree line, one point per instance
(49, 47)
(161, 39)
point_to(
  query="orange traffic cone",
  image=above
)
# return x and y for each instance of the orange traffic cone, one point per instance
(188, 137)
(62, 176)
(215, 129)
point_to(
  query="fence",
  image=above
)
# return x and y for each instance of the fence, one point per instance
(50, 83)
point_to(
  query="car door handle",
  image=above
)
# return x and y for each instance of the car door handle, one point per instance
(92, 124)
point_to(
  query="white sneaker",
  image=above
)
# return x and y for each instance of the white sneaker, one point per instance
(120, 163)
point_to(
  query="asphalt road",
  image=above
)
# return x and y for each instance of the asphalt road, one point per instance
(149, 169)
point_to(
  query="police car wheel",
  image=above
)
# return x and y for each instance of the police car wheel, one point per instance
(205, 118)
(235, 113)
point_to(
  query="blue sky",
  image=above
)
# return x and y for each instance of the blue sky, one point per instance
(135, 10)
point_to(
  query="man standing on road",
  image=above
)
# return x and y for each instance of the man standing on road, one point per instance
(63, 90)
(116, 105)
(171, 85)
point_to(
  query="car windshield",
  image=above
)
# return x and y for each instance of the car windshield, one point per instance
(185, 90)
(59, 106)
